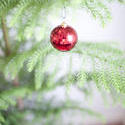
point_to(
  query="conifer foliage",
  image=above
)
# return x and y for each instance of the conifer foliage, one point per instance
(25, 62)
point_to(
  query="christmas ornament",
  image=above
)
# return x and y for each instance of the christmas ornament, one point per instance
(63, 37)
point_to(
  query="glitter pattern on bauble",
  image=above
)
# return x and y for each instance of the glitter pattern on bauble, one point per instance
(63, 37)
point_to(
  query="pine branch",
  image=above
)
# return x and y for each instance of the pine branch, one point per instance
(5, 36)
(7, 53)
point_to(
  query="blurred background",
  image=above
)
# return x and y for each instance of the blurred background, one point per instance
(89, 29)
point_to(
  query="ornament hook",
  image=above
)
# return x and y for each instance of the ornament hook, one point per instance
(64, 13)
(64, 17)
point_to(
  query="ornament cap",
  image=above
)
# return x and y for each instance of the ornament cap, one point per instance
(64, 24)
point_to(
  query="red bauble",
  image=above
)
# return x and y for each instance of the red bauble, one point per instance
(63, 37)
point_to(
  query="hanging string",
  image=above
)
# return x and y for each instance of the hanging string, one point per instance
(64, 13)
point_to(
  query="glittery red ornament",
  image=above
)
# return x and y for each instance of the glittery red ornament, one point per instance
(63, 37)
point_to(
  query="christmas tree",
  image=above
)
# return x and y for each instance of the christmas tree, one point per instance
(29, 65)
